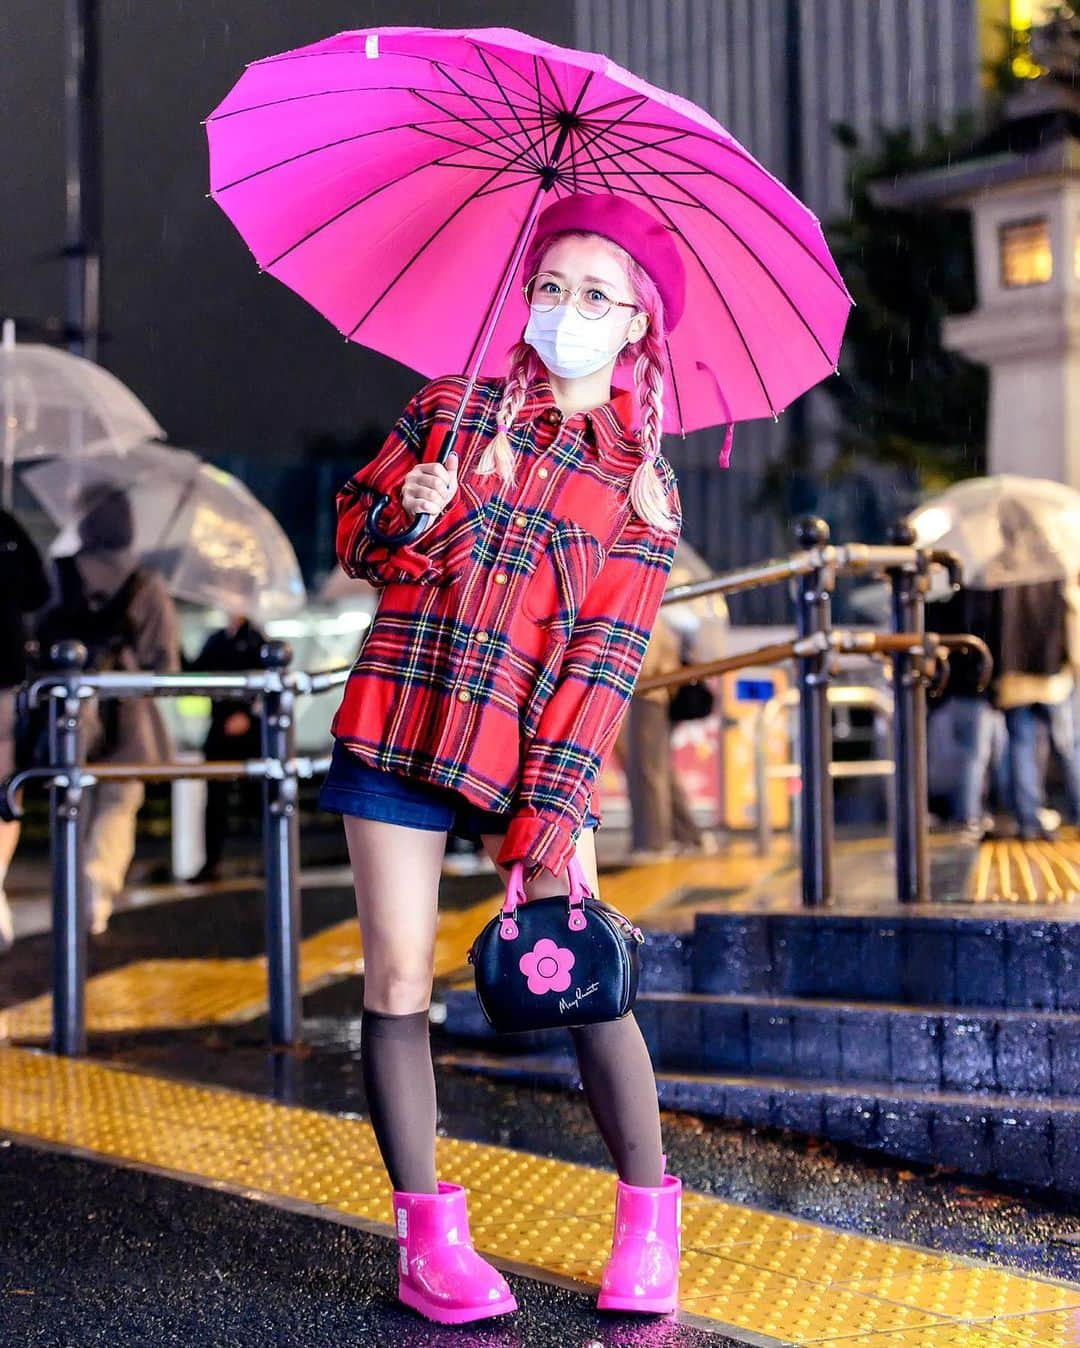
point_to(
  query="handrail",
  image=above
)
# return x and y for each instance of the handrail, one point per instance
(839, 559)
(144, 683)
(275, 687)
(846, 642)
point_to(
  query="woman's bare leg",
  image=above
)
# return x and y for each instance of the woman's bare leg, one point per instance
(613, 1058)
(396, 875)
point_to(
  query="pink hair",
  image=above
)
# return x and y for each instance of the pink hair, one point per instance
(647, 494)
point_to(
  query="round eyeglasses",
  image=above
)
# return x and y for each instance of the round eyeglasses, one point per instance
(544, 293)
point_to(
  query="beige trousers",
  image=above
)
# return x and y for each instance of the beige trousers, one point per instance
(110, 836)
(660, 812)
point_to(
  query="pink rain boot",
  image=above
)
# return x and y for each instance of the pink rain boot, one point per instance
(439, 1273)
(643, 1271)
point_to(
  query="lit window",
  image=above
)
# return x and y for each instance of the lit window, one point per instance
(1026, 256)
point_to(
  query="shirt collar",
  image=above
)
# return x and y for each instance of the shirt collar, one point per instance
(610, 426)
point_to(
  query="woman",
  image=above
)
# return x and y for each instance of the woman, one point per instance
(489, 691)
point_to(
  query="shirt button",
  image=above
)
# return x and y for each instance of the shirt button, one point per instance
(500, 578)
(553, 416)
(481, 637)
(521, 521)
(464, 696)
(541, 472)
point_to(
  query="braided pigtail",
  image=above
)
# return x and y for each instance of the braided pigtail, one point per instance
(647, 494)
(498, 455)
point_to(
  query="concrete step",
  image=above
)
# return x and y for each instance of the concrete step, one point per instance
(941, 1048)
(1031, 1140)
(919, 960)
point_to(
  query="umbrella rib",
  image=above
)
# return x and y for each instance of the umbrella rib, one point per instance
(556, 106)
(502, 91)
(765, 270)
(720, 296)
(329, 93)
(360, 201)
(696, 202)
(667, 343)
(423, 247)
(742, 191)
(540, 105)
(445, 72)
(608, 127)
(470, 145)
(346, 140)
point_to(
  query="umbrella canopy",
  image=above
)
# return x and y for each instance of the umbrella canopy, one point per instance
(392, 177)
(201, 528)
(1007, 530)
(54, 403)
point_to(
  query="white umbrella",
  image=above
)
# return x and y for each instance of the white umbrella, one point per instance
(201, 528)
(58, 405)
(1006, 530)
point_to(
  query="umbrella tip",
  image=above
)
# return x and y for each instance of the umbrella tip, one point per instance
(9, 334)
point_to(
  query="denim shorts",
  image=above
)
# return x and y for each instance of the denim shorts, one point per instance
(355, 788)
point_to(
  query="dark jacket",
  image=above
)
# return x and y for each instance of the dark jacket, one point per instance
(1024, 626)
(143, 736)
(226, 652)
(24, 587)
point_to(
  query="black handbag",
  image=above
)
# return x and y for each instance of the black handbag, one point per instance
(691, 702)
(560, 961)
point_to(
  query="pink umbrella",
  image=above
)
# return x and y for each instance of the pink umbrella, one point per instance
(392, 177)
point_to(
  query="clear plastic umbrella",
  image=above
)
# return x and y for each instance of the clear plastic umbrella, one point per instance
(1007, 530)
(201, 528)
(55, 404)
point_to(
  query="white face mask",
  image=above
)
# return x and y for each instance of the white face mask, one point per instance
(569, 345)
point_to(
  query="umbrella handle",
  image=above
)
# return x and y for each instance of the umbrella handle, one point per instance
(393, 540)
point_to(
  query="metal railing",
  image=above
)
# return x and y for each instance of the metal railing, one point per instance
(847, 695)
(918, 660)
(67, 688)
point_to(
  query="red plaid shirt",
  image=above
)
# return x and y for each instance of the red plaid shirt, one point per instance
(509, 635)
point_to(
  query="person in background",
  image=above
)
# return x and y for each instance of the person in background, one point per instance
(1035, 689)
(234, 732)
(662, 822)
(125, 617)
(24, 588)
(978, 728)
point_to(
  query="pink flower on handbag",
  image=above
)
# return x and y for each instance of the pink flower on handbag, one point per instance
(547, 967)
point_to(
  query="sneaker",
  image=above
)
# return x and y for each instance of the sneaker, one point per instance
(7, 926)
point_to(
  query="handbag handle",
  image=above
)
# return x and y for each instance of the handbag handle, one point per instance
(515, 895)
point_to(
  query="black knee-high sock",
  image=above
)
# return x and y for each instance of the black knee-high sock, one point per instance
(620, 1088)
(399, 1081)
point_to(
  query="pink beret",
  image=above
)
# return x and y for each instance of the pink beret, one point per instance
(648, 242)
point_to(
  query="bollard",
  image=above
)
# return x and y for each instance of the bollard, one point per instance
(281, 844)
(812, 609)
(909, 586)
(70, 919)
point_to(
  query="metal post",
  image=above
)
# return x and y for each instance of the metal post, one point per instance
(82, 118)
(812, 608)
(281, 844)
(66, 819)
(909, 697)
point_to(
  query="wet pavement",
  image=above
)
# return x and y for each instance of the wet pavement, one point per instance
(91, 1254)
(94, 1253)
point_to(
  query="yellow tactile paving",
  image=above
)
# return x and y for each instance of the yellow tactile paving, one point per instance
(174, 994)
(766, 1274)
(1026, 872)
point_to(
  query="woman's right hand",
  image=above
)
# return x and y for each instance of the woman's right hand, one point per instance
(429, 488)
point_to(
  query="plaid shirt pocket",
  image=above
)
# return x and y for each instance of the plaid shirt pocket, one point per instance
(566, 569)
